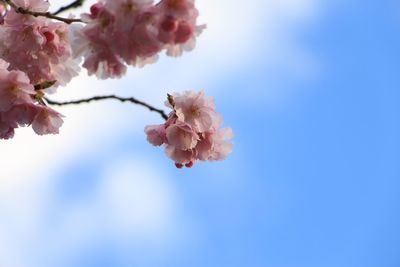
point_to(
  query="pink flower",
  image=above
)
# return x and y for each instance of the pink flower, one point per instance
(22, 114)
(134, 32)
(44, 120)
(179, 156)
(213, 146)
(178, 29)
(19, 105)
(191, 132)
(47, 121)
(38, 46)
(220, 147)
(7, 129)
(15, 88)
(156, 134)
(104, 63)
(34, 5)
(95, 43)
(181, 136)
(196, 110)
(4, 65)
(128, 11)
(16, 19)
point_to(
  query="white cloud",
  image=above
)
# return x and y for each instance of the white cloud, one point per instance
(132, 201)
(139, 197)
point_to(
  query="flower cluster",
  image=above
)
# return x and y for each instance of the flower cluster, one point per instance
(133, 32)
(19, 105)
(39, 50)
(37, 46)
(192, 131)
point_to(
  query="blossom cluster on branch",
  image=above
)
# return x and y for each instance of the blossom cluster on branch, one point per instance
(121, 32)
(192, 131)
(41, 51)
(38, 46)
(20, 107)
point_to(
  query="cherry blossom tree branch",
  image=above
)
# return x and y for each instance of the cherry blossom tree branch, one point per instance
(26, 11)
(99, 98)
(75, 4)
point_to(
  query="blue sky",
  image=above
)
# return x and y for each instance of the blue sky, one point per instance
(311, 89)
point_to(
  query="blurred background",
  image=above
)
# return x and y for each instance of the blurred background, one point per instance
(311, 89)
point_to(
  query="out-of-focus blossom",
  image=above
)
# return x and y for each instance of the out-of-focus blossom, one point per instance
(15, 88)
(47, 121)
(19, 106)
(134, 32)
(38, 46)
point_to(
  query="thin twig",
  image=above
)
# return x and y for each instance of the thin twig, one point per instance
(75, 4)
(44, 85)
(26, 11)
(98, 98)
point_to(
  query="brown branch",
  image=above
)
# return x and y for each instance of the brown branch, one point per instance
(26, 11)
(75, 4)
(44, 85)
(98, 98)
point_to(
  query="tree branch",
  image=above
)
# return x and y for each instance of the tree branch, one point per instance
(75, 4)
(26, 11)
(98, 98)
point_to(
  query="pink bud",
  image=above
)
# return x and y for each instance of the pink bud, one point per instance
(95, 9)
(189, 165)
(179, 165)
(184, 33)
(49, 36)
(169, 24)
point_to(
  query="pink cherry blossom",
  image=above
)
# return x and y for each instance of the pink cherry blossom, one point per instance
(178, 29)
(179, 156)
(34, 5)
(19, 106)
(15, 88)
(197, 110)
(181, 136)
(156, 134)
(37, 46)
(192, 131)
(22, 114)
(6, 129)
(214, 146)
(134, 32)
(47, 121)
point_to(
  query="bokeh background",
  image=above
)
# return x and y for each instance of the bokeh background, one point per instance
(311, 89)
